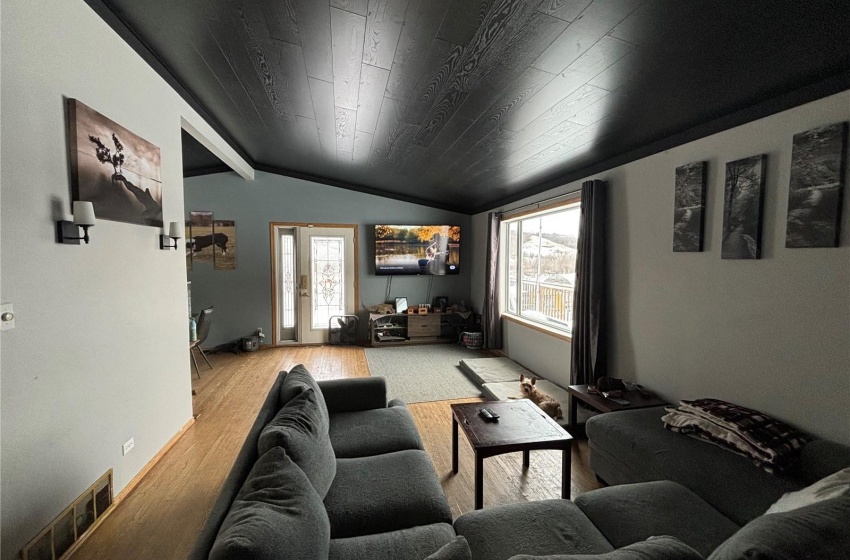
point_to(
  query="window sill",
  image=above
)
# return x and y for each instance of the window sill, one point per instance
(562, 335)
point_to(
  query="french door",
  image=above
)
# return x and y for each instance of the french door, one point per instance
(314, 278)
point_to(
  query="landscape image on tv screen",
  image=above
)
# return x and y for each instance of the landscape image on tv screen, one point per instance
(417, 250)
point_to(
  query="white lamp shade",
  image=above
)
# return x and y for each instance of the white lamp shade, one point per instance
(83, 213)
(175, 230)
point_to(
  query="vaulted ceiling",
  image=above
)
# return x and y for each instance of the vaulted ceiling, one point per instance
(464, 104)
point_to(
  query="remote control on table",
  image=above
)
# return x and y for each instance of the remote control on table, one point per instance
(488, 415)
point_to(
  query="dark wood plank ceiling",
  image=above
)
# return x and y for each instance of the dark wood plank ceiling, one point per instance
(469, 103)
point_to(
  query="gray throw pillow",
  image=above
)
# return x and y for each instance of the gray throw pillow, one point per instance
(457, 549)
(298, 380)
(276, 515)
(820, 531)
(653, 548)
(300, 429)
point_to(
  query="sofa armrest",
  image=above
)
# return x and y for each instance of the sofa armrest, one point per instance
(350, 395)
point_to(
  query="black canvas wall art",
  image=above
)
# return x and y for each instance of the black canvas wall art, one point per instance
(200, 244)
(816, 188)
(743, 204)
(689, 207)
(224, 242)
(188, 239)
(117, 171)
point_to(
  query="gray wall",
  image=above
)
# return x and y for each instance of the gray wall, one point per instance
(772, 334)
(242, 297)
(100, 352)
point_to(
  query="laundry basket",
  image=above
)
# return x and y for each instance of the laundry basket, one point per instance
(473, 340)
(342, 329)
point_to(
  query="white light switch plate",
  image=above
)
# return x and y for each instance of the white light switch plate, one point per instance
(6, 325)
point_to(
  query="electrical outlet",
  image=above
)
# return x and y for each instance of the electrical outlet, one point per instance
(129, 445)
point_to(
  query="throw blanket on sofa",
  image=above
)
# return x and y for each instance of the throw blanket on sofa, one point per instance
(770, 443)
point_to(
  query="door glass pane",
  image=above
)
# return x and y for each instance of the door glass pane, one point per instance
(328, 274)
(287, 279)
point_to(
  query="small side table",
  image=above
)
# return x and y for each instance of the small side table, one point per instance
(522, 426)
(600, 403)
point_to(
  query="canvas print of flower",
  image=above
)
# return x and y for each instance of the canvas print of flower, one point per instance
(816, 187)
(742, 210)
(689, 207)
(113, 168)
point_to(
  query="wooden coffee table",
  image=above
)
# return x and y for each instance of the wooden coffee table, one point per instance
(600, 403)
(522, 426)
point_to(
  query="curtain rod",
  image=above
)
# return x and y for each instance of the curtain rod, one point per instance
(539, 202)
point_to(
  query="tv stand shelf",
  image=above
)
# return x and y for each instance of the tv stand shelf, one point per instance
(401, 329)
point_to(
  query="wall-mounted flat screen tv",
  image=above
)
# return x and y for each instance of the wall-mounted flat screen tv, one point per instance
(401, 250)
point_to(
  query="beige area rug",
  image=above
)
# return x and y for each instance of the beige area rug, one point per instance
(424, 373)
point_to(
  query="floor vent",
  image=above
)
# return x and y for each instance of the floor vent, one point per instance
(74, 524)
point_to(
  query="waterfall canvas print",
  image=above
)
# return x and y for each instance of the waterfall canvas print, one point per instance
(815, 192)
(115, 170)
(689, 207)
(742, 209)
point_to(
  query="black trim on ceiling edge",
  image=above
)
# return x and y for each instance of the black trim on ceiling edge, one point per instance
(360, 188)
(807, 94)
(141, 48)
(211, 170)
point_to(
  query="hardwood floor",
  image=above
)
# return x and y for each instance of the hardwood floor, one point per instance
(162, 515)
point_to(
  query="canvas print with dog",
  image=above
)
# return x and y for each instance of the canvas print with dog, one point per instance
(689, 207)
(742, 209)
(199, 245)
(224, 245)
(114, 169)
(815, 192)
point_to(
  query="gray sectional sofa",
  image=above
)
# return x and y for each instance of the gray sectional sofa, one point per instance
(633, 446)
(340, 474)
(711, 502)
(331, 470)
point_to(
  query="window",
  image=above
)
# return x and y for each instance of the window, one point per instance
(541, 266)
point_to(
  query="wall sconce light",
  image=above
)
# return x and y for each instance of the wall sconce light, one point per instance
(175, 232)
(69, 232)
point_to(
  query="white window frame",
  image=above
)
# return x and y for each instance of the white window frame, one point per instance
(550, 327)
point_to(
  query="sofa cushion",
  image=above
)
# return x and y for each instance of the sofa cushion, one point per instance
(834, 485)
(385, 493)
(354, 393)
(276, 515)
(654, 548)
(297, 380)
(821, 458)
(457, 549)
(638, 438)
(539, 527)
(300, 429)
(415, 543)
(372, 432)
(818, 531)
(631, 513)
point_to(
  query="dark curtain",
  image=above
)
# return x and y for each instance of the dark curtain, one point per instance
(588, 350)
(491, 316)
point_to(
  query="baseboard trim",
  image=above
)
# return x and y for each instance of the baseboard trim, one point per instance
(129, 488)
(154, 460)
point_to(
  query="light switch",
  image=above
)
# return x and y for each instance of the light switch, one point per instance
(7, 317)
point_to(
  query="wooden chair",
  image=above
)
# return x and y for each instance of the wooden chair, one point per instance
(204, 322)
